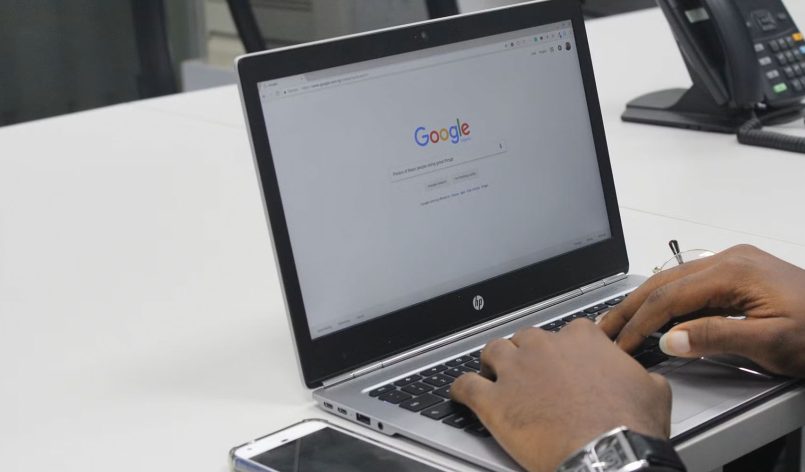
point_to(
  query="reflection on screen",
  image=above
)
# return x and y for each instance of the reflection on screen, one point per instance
(329, 450)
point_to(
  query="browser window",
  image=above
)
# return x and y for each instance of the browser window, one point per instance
(411, 176)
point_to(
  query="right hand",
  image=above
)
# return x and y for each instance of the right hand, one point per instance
(742, 279)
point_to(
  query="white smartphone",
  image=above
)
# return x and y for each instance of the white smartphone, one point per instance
(317, 445)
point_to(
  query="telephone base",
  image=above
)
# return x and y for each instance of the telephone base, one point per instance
(684, 108)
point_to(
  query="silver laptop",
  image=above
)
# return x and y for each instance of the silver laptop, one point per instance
(434, 186)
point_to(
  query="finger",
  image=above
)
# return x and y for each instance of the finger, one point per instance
(717, 335)
(615, 319)
(473, 391)
(703, 289)
(495, 353)
(527, 336)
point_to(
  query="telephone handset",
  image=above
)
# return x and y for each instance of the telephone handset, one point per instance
(747, 62)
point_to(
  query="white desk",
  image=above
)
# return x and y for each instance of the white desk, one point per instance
(141, 323)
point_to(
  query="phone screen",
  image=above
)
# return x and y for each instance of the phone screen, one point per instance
(330, 450)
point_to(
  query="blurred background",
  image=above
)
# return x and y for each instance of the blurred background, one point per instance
(61, 57)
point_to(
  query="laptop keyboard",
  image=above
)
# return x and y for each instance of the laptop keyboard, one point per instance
(428, 392)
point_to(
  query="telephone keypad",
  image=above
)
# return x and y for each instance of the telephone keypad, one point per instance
(785, 68)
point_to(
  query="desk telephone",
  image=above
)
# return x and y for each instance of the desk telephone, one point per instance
(746, 59)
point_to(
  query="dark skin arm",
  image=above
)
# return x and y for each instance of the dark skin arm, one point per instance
(742, 279)
(531, 396)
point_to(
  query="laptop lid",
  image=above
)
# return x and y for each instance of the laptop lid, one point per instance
(424, 179)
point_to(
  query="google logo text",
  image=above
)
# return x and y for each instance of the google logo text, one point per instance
(453, 134)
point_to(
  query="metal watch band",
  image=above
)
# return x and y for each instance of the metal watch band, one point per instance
(621, 450)
(658, 452)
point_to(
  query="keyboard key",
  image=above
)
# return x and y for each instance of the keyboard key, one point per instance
(438, 380)
(443, 392)
(441, 410)
(615, 300)
(554, 325)
(381, 390)
(421, 402)
(597, 308)
(476, 354)
(457, 371)
(461, 420)
(433, 370)
(417, 388)
(649, 359)
(574, 316)
(394, 396)
(458, 361)
(410, 379)
(474, 365)
(479, 430)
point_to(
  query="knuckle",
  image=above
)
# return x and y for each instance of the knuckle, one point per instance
(706, 334)
(492, 349)
(657, 296)
(744, 249)
(738, 264)
(775, 342)
(462, 390)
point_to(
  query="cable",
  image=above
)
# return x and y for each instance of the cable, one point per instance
(751, 133)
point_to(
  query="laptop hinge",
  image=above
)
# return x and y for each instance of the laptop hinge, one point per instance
(343, 378)
(601, 283)
(615, 278)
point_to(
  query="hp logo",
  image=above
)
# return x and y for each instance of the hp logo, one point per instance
(478, 303)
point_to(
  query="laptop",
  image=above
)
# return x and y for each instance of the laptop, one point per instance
(434, 186)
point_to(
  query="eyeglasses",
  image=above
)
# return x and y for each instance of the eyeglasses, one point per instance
(680, 257)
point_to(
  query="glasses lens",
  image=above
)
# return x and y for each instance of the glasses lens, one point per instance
(683, 257)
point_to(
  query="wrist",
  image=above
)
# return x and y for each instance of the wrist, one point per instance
(623, 450)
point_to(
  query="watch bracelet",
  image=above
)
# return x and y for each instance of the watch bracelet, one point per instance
(645, 454)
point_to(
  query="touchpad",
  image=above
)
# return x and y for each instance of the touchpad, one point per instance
(706, 389)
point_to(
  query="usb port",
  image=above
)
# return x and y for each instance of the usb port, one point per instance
(342, 411)
(363, 419)
(328, 405)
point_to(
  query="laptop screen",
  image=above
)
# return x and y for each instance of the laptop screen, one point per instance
(411, 176)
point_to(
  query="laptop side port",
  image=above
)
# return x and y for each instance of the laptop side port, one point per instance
(363, 419)
(343, 411)
(328, 405)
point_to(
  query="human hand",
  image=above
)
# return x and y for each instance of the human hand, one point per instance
(544, 395)
(740, 280)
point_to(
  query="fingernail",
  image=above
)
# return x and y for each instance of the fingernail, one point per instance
(675, 343)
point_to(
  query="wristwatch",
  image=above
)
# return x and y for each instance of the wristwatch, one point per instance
(622, 450)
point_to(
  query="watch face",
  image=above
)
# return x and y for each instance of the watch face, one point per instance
(608, 453)
(611, 454)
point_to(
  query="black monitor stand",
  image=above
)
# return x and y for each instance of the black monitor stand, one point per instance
(693, 108)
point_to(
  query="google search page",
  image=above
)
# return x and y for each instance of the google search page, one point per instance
(412, 176)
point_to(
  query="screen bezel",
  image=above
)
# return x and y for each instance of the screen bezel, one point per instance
(346, 350)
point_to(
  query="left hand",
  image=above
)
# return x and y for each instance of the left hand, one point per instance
(544, 395)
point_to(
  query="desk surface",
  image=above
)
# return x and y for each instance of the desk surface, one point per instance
(141, 317)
